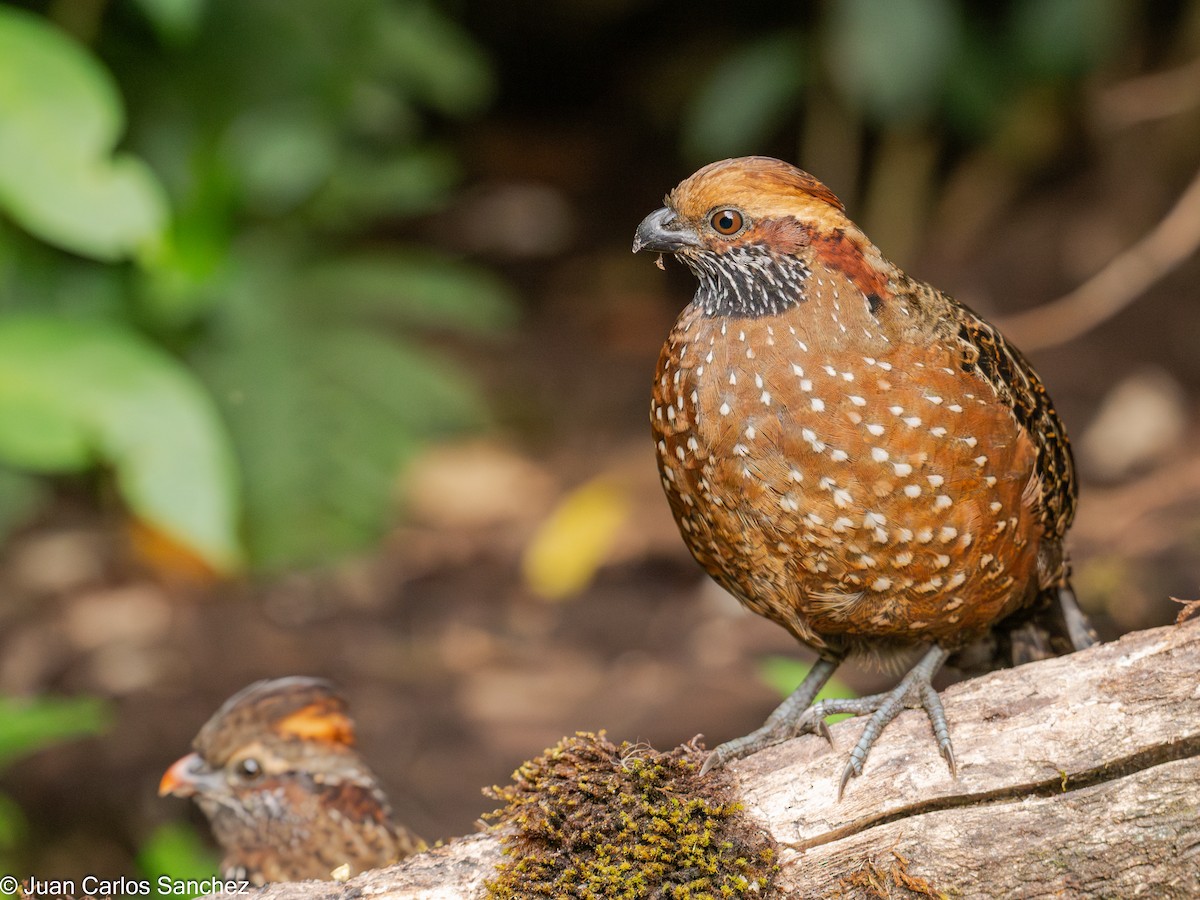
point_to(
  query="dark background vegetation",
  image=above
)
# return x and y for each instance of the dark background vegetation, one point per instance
(322, 351)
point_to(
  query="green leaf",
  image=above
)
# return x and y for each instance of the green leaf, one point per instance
(72, 394)
(891, 59)
(176, 21)
(62, 117)
(740, 104)
(27, 726)
(432, 57)
(411, 287)
(176, 850)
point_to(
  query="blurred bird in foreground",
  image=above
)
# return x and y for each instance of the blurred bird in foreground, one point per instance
(287, 795)
(852, 453)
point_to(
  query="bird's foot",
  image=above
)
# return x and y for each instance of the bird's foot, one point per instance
(787, 721)
(915, 691)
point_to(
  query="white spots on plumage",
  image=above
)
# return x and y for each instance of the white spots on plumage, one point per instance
(826, 483)
(912, 490)
(765, 398)
(829, 370)
(789, 502)
(955, 580)
(942, 501)
(942, 560)
(671, 413)
(990, 481)
(912, 421)
(679, 453)
(980, 460)
(881, 584)
(803, 346)
(693, 444)
(795, 475)
(879, 454)
(842, 498)
(662, 448)
(709, 358)
(896, 410)
(724, 410)
(854, 417)
(810, 437)
(746, 473)
(970, 441)
(902, 469)
(875, 429)
(733, 377)
(797, 370)
(900, 560)
(742, 336)
(872, 519)
(954, 407)
(985, 560)
(870, 361)
(935, 480)
(947, 534)
(841, 524)
(750, 432)
(904, 535)
(750, 354)
(805, 384)
(724, 329)
(813, 519)
(839, 455)
(937, 431)
(695, 398)
(995, 506)
(847, 376)
(818, 404)
(934, 400)
(858, 401)
(886, 366)
(866, 561)
(928, 587)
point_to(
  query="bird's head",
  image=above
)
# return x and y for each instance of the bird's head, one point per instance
(266, 748)
(753, 230)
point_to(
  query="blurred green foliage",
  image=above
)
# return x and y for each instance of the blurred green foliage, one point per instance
(784, 675)
(209, 311)
(176, 850)
(894, 65)
(27, 726)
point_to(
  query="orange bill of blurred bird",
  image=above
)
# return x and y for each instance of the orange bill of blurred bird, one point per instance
(286, 793)
(850, 452)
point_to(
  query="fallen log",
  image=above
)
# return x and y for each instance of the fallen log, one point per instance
(1078, 777)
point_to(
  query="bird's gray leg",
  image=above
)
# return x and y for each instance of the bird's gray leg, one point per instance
(788, 720)
(914, 691)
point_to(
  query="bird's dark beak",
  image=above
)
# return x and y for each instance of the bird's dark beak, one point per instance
(186, 777)
(662, 231)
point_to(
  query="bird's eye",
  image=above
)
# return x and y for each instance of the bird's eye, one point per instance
(726, 221)
(248, 769)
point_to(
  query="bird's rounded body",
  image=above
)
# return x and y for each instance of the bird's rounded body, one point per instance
(850, 452)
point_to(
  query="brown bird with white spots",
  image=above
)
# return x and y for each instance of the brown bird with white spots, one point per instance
(286, 793)
(850, 452)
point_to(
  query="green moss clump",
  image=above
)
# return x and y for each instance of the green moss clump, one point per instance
(589, 819)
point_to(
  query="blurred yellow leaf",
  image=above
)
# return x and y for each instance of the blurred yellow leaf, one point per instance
(575, 539)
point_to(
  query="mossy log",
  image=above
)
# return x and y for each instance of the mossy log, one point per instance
(1078, 777)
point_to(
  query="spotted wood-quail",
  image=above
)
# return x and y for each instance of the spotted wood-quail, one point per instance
(850, 452)
(287, 795)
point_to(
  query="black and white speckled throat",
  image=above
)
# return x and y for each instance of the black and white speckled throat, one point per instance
(748, 281)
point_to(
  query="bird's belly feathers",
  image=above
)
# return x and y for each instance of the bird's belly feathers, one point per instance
(845, 495)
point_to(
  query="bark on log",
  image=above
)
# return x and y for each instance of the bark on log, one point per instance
(1078, 777)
